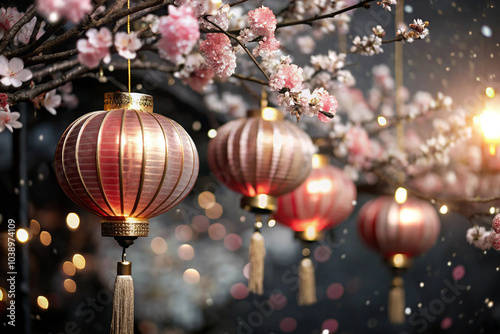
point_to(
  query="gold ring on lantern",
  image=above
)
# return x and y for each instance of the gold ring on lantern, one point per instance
(266, 113)
(399, 261)
(259, 204)
(130, 101)
(124, 227)
(309, 235)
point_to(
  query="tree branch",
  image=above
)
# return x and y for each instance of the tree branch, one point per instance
(11, 33)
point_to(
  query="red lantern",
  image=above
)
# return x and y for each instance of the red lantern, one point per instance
(126, 165)
(261, 157)
(324, 200)
(399, 232)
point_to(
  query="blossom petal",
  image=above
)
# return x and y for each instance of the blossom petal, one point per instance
(4, 66)
(6, 81)
(24, 75)
(16, 65)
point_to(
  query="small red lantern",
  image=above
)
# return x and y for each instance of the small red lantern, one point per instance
(323, 201)
(399, 232)
(126, 164)
(261, 157)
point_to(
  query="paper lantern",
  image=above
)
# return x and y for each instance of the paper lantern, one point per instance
(322, 201)
(261, 157)
(126, 165)
(399, 232)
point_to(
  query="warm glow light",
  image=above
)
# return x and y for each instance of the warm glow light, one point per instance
(185, 252)
(45, 238)
(212, 133)
(69, 285)
(69, 268)
(42, 302)
(401, 195)
(271, 222)
(321, 186)
(79, 261)
(22, 235)
(1, 294)
(269, 114)
(382, 121)
(72, 220)
(409, 216)
(489, 121)
(159, 245)
(475, 119)
(214, 211)
(206, 199)
(34, 227)
(492, 210)
(443, 209)
(490, 92)
(310, 232)
(191, 276)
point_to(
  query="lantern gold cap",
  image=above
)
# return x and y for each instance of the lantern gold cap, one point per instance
(124, 268)
(130, 101)
(399, 261)
(259, 204)
(319, 160)
(266, 113)
(124, 227)
(309, 235)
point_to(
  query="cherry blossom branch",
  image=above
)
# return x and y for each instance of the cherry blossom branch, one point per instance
(50, 57)
(9, 35)
(57, 67)
(397, 39)
(231, 36)
(363, 4)
(252, 79)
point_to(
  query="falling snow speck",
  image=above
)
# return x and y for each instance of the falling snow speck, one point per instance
(407, 311)
(408, 9)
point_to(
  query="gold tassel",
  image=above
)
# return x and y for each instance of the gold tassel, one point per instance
(123, 300)
(307, 281)
(257, 252)
(396, 303)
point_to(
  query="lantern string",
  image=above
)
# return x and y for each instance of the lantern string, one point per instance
(124, 254)
(263, 97)
(128, 60)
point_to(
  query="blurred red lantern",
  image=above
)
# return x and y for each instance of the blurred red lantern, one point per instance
(261, 157)
(324, 200)
(399, 232)
(126, 164)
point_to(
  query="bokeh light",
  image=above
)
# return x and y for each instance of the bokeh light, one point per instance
(232, 242)
(69, 268)
(335, 291)
(34, 227)
(159, 245)
(212, 133)
(185, 252)
(277, 301)
(458, 272)
(191, 276)
(322, 253)
(239, 291)
(42, 302)
(206, 199)
(45, 238)
(79, 261)
(288, 324)
(69, 285)
(200, 223)
(246, 271)
(72, 220)
(214, 211)
(331, 325)
(183, 233)
(217, 231)
(446, 323)
(22, 235)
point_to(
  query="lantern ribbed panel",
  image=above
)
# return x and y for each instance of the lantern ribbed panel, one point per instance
(410, 228)
(253, 156)
(323, 201)
(126, 163)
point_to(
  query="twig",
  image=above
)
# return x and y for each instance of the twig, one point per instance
(243, 77)
(242, 45)
(397, 39)
(9, 35)
(51, 57)
(57, 67)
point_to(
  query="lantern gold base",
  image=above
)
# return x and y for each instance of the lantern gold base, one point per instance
(399, 261)
(263, 204)
(311, 235)
(124, 227)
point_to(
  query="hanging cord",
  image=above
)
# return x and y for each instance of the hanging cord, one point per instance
(128, 60)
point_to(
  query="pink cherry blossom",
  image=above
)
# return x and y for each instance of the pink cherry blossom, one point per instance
(24, 35)
(95, 48)
(358, 145)
(219, 54)
(496, 223)
(262, 24)
(73, 10)
(494, 240)
(51, 101)
(13, 72)
(127, 44)
(179, 33)
(8, 120)
(482, 239)
(8, 17)
(196, 73)
(287, 76)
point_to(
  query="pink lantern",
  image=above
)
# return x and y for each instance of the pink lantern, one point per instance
(399, 232)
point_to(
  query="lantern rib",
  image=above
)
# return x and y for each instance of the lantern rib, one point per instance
(260, 154)
(143, 165)
(274, 164)
(178, 178)
(120, 161)
(294, 149)
(63, 165)
(77, 147)
(98, 162)
(164, 174)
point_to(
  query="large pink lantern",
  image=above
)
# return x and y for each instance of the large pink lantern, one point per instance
(399, 232)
